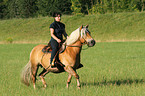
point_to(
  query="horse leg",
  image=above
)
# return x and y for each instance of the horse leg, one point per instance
(69, 80)
(41, 75)
(34, 73)
(71, 71)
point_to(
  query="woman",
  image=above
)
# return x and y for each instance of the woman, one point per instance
(57, 29)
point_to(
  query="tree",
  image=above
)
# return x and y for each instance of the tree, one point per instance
(27, 8)
(21, 8)
(47, 7)
(31, 8)
(13, 9)
(142, 2)
(76, 6)
(3, 8)
(65, 7)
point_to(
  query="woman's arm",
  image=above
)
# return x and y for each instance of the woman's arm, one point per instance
(53, 36)
(65, 34)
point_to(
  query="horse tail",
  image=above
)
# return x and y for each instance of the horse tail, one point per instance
(26, 75)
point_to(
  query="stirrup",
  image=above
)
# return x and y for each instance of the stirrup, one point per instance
(52, 65)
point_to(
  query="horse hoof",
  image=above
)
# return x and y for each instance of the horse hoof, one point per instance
(45, 86)
(79, 88)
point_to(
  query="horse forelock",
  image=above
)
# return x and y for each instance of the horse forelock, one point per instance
(83, 32)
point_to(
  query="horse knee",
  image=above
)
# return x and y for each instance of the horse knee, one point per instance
(69, 81)
(77, 76)
(72, 72)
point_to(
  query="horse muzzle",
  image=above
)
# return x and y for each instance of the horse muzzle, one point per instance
(91, 43)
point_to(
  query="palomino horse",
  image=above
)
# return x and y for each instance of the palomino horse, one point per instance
(70, 58)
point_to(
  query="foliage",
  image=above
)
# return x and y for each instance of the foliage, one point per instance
(3, 4)
(44, 7)
(13, 9)
(28, 8)
(9, 39)
(113, 6)
(76, 6)
(20, 8)
(34, 8)
(47, 7)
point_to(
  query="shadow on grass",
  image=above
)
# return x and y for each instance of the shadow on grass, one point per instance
(115, 82)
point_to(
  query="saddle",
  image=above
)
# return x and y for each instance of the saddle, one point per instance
(48, 48)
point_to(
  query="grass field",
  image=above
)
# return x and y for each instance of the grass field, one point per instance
(110, 69)
(106, 27)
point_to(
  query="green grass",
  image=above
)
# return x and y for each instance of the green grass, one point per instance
(110, 69)
(107, 27)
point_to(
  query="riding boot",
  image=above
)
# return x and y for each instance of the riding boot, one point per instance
(52, 64)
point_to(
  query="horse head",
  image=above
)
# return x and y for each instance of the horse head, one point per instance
(86, 37)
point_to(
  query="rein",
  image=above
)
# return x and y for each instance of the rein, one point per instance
(78, 46)
(73, 46)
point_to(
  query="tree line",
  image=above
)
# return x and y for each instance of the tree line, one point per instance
(36, 8)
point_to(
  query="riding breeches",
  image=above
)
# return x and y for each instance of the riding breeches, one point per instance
(55, 49)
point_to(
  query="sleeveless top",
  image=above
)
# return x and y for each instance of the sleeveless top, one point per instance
(59, 29)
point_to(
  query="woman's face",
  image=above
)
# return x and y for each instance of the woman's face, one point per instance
(57, 18)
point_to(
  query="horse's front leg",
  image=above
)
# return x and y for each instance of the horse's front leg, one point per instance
(71, 71)
(69, 80)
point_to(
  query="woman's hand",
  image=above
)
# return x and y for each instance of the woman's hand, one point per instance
(58, 40)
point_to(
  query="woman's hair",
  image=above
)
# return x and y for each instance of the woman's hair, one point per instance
(55, 14)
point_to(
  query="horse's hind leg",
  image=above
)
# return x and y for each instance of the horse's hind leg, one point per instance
(41, 75)
(71, 71)
(34, 73)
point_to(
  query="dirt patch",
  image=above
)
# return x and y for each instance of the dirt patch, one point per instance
(31, 42)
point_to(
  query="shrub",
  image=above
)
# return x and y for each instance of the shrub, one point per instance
(9, 40)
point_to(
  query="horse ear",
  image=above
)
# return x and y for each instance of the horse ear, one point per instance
(81, 27)
(87, 26)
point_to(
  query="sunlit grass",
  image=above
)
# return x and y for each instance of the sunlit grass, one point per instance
(106, 27)
(112, 69)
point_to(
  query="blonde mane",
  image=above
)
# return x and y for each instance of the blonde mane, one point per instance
(73, 37)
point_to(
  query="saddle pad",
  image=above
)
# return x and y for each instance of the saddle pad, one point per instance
(48, 49)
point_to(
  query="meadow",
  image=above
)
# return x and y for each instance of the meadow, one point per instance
(110, 69)
(115, 66)
(104, 27)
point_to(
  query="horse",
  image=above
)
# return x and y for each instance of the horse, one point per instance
(69, 58)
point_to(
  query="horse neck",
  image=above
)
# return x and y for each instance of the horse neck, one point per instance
(76, 47)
